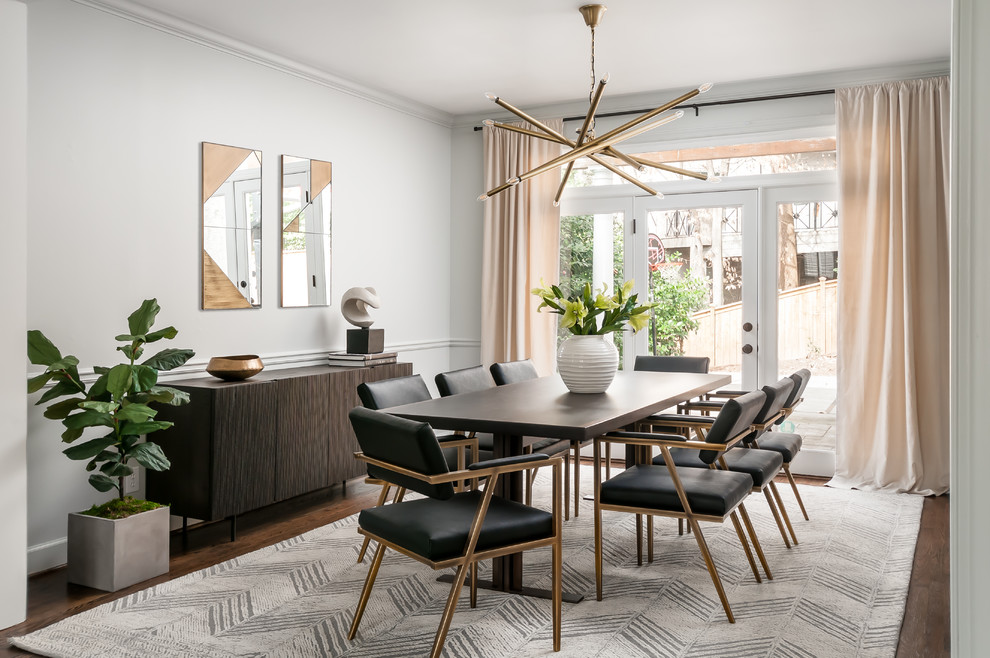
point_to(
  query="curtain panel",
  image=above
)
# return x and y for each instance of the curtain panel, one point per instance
(521, 236)
(893, 363)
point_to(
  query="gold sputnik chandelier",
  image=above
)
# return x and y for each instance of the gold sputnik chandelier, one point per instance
(599, 149)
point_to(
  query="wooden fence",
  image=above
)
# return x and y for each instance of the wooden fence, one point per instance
(806, 326)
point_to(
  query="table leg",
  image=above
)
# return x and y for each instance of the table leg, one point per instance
(507, 570)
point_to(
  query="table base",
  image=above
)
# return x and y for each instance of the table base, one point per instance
(535, 592)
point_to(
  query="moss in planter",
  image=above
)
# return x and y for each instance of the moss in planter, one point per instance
(121, 509)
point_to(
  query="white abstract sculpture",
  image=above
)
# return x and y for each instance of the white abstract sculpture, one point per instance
(354, 306)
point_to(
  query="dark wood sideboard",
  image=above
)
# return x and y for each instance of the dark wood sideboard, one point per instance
(238, 446)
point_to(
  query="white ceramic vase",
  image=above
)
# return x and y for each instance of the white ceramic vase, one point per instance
(587, 364)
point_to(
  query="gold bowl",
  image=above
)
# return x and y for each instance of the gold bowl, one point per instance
(235, 368)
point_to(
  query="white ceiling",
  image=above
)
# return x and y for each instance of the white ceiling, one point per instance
(447, 53)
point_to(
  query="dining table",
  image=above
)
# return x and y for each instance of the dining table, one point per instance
(544, 408)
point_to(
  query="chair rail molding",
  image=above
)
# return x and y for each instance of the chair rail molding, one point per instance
(199, 35)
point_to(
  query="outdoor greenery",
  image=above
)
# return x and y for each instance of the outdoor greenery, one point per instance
(120, 399)
(677, 296)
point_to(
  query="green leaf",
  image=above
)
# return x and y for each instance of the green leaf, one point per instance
(119, 380)
(35, 384)
(134, 429)
(150, 456)
(140, 321)
(133, 351)
(101, 407)
(99, 387)
(41, 351)
(62, 409)
(116, 469)
(164, 394)
(64, 387)
(169, 358)
(101, 370)
(88, 418)
(89, 449)
(144, 377)
(167, 332)
(101, 482)
(70, 435)
(136, 413)
(64, 363)
(127, 338)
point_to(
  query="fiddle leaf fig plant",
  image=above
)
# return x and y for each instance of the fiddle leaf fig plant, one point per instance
(120, 400)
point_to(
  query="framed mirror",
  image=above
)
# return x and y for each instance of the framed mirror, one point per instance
(231, 227)
(306, 231)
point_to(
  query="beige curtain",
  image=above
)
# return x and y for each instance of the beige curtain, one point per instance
(520, 245)
(893, 368)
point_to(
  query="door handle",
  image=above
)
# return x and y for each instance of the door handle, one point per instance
(747, 349)
(748, 326)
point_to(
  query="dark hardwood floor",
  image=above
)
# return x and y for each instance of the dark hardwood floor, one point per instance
(925, 631)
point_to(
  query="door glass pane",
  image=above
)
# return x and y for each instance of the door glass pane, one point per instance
(695, 265)
(808, 253)
(591, 251)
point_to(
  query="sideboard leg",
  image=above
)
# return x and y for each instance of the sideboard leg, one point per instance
(343, 487)
(233, 528)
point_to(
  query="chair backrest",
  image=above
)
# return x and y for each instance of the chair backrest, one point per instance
(465, 380)
(404, 443)
(698, 364)
(777, 394)
(735, 416)
(801, 379)
(511, 372)
(393, 392)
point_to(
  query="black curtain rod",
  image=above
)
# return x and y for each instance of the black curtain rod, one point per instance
(697, 106)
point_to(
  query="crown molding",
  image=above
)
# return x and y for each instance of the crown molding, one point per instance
(208, 38)
(726, 91)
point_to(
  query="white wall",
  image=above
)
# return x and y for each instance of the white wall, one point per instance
(970, 316)
(118, 111)
(13, 268)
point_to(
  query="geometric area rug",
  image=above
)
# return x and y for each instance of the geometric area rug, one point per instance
(840, 592)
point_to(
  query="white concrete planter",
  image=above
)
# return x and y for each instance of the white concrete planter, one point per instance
(111, 554)
(587, 364)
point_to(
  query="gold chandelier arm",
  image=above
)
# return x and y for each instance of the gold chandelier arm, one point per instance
(582, 134)
(652, 113)
(532, 133)
(596, 145)
(525, 117)
(672, 169)
(628, 159)
(632, 179)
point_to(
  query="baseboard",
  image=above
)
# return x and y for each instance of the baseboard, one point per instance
(45, 556)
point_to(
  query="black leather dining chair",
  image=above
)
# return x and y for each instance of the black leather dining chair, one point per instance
(692, 494)
(698, 364)
(513, 372)
(788, 444)
(761, 465)
(476, 378)
(406, 390)
(447, 529)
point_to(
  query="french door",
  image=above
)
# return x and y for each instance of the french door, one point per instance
(698, 258)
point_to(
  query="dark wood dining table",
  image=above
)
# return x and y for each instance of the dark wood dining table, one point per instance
(545, 408)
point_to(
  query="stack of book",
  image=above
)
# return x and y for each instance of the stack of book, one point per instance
(360, 360)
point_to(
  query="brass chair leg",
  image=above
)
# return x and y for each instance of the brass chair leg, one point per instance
(797, 494)
(369, 582)
(649, 538)
(448, 611)
(756, 541)
(776, 517)
(557, 549)
(639, 540)
(474, 584)
(703, 545)
(577, 479)
(598, 551)
(783, 511)
(382, 497)
(567, 485)
(745, 545)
